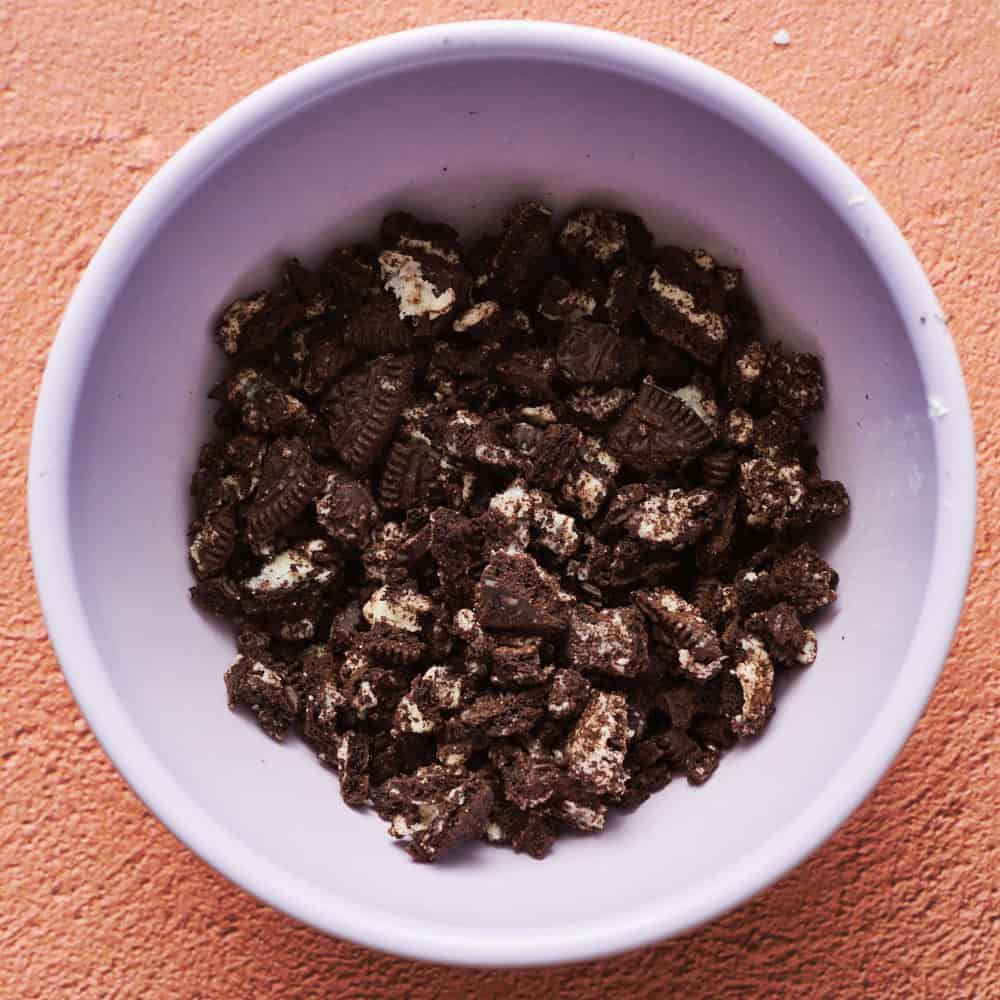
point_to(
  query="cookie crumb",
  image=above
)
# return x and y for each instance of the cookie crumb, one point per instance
(936, 408)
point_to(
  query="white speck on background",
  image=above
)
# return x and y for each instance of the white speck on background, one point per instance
(858, 199)
(781, 37)
(935, 408)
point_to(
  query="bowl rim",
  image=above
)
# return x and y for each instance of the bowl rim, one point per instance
(60, 393)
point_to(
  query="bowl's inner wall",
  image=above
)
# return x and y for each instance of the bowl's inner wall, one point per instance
(460, 141)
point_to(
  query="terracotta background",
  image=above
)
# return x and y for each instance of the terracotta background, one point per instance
(98, 900)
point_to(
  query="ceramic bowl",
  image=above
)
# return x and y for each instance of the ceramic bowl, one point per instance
(456, 122)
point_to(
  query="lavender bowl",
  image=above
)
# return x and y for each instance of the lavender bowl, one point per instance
(456, 122)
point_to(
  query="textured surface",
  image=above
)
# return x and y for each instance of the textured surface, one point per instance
(99, 900)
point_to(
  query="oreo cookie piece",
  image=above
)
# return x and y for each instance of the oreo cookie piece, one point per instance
(411, 472)
(375, 326)
(594, 354)
(754, 671)
(263, 406)
(595, 750)
(596, 239)
(788, 641)
(250, 325)
(624, 288)
(671, 518)
(699, 652)
(562, 303)
(289, 481)
(212, 541)
(515, 594)
(657, 430)
(261, 683)
(569, 694)
(425, 281)
(529, 375)
(684, 302)
(364, 408)
(597, 406)
(608, 641)
(552, 455)
(517, 266)
(434, 810)
(346, 509)
(792, 383)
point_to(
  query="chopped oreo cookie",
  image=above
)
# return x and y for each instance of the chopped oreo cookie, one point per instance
(658, 430)
(511, 534)
(594, 354)
(684, 302)
(595, 751)
(610, 641)
(364, 408)
(680, 625)
(435, 809)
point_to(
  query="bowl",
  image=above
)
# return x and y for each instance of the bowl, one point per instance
(456, 122)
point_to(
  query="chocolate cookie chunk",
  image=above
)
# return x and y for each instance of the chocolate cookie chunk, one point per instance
(562, 303)
(434, 810)
(552, 455)
(657, 430)
(699, 652)
(411, 471)
(261, 683)
(792, 383)
(684, 302)
(515, 594)
(529, 375)
(425, 280)
(624, 288)
(346, 509)
(212, 541)
(375, 325)
(496, 716)
(290, 586)
(610, 641)
(786, 639)
(264, 408)
(350, 270)
(672, 518)
(596, 406)
(365, 406)
(253, 324)
(597, 238)
(569, 694)
(327, 360)
(754, 672)
(289, 481)
(595, 751)
(593, 354)
(517, 265)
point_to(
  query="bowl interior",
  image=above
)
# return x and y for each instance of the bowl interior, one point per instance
(459, 139)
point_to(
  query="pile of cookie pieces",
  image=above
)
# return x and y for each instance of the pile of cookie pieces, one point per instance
(512, 534)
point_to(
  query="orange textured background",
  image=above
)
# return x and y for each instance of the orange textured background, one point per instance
(98, 900)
